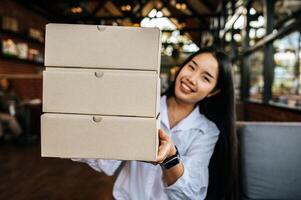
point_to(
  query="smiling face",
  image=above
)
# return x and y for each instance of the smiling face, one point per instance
(197, 79)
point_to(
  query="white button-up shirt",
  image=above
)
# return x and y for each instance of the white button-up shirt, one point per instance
(195, 137)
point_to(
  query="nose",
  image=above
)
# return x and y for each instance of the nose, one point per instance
(192, 79)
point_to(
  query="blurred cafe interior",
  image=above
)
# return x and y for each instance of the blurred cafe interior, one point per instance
(261, 37)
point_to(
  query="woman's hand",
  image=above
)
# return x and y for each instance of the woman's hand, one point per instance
(165, 150)
(166, 147)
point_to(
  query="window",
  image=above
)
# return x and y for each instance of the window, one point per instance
(286, 86)
(285, 8)
(236, 78)
(256, 75)
(173, 41)
(257, 30)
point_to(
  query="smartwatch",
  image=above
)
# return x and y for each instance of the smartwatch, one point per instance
(171, 161)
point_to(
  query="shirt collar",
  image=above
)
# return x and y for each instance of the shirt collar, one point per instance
(192, 121)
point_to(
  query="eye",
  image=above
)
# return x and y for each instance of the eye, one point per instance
(206, 79)
(191, 67)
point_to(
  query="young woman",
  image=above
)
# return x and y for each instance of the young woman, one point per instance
(197, 141)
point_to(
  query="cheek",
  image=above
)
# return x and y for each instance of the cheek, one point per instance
(180, 76)
(203, 89)
(184, 72)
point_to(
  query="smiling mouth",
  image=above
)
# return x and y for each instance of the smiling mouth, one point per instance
(186, 88)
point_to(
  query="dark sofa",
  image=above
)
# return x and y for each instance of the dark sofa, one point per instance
(270, 160)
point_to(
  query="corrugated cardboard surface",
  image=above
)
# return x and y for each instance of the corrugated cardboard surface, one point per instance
(106, 137)
(98, 46)
(98, 91)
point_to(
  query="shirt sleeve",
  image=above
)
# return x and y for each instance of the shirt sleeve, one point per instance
(107, 166)
(193, 183)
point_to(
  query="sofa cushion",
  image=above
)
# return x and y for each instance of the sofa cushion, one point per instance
(270, 160)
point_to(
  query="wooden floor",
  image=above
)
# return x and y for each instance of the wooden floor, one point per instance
(24, 175)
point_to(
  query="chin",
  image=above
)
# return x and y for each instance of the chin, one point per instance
(185, 98)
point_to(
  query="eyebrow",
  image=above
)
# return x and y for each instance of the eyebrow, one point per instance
(205, 71)
(209, 74)
(195, 63)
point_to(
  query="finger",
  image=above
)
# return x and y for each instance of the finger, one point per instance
(163, 152)
(163, 135)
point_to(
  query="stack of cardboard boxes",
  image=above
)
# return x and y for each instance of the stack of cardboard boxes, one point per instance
(101, 92)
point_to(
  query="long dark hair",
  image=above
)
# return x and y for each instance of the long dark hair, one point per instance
(220, 109)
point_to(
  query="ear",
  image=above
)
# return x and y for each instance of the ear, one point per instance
(215, 92)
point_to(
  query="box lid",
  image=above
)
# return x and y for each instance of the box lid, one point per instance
(99, 46)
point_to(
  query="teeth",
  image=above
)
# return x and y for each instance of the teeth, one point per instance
(186, 87)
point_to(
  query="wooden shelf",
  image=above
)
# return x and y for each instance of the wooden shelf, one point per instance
(19, 60)
(21, 36)
(25, 38)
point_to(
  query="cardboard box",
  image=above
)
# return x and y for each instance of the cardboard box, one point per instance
(96, 46)
(94, 136)
(99, 91)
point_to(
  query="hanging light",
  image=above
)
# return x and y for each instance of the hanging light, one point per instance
(181, 6)
(159, 14)
(152, 13)
(76, 10)
(252, 11)
(126, 7)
